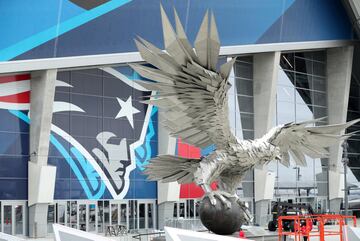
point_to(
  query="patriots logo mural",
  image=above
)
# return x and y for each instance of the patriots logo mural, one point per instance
(101, 132)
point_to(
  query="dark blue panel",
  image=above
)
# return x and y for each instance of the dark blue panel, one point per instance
(62, 167)
(109, 90)
(13, 189)
(61, 120)
(62, 189)
(85, 126)
(14, 166)
(10, 123)
(87, 82)
(14, 143)
(90, 104)
(121, 127)
(53, 151)
(76, 190)
(308, 20)
(142, 189)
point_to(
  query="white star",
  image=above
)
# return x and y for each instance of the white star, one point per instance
(127, 110)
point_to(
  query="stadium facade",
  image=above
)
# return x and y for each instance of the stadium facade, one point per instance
(75, 136)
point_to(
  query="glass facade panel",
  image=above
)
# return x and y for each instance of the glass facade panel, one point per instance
(301, 96)
(244, 114)
(100, 216)
(123, 214)
(92, 217)
(19, 219)
(151, 215)
(51, 218)
(8, 219)
(354, 145)
(114, 214)
(82, 217)
(142, 216)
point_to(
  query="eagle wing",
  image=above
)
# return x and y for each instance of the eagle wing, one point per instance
(190, 92)
(299, 139)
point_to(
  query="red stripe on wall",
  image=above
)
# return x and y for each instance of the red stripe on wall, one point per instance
(12, 78)
(190, 190)
(23, 97)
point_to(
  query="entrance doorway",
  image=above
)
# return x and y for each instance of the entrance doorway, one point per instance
(13, 217)
(119, 213)
(87, 218)
(145, 214)
(94, 216)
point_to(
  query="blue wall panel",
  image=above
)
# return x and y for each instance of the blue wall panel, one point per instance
(111, 27)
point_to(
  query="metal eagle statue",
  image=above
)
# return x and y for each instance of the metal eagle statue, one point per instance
(191, 93)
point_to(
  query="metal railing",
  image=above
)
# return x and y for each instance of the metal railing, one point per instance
(149, 236)
(183, 223)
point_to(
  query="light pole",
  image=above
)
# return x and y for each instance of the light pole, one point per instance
(345, 161)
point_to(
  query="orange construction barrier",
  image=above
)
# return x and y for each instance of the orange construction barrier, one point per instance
(313, 226)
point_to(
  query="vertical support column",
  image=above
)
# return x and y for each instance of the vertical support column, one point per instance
(41, 180)
(266, 66)
(338, 72)
(168, 193)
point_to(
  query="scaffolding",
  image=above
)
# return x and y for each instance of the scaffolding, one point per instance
(313, 226)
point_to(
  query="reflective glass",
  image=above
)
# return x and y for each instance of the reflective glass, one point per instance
(114, 214)
(19, 219)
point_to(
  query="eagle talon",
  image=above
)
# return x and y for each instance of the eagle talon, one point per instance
(222, 196)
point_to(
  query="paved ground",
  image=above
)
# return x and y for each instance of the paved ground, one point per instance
(270, 236)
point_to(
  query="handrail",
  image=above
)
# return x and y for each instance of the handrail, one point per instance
(138, 236)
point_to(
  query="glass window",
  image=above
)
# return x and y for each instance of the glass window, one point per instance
(285, 93)
(319, 98)
(303, 81)
(7, 219)
(247, 121)
(61, 213)
(50, 218)
(68, 213)
(319, 69)
(308, 101)
(133, 218)
(319, 83)
(175, 210)
(92, 217)
(100, 216)
(150, 215)
(246, 104)
(123, 214)
(182, 210)
(142, 216)
(242, 118)
(303, 65)
(73, 214)
(244, 86)
(287, 61)
(243, 70)
(19, 219)
(114, 214)
(82, 217)
(286, 78)
(106, 213)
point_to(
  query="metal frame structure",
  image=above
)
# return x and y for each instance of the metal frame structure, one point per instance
(319, 230)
